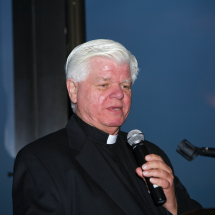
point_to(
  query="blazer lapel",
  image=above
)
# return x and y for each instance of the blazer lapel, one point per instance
(101, 171)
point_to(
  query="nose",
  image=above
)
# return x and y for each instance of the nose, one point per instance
(116, 92)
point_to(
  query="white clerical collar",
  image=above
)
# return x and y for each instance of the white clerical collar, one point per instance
(112, 139)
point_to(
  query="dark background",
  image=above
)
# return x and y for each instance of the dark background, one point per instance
(174, 95)
(6, 106)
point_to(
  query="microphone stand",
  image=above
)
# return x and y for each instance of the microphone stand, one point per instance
(187, 150)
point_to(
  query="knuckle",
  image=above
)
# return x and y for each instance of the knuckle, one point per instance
(163, 173)
(171, 173)
(172, 177)
(167, 184)
(160, 163)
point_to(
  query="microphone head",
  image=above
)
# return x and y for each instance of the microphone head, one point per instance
(134, 137)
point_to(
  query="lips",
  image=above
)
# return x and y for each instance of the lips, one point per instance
(117, 110)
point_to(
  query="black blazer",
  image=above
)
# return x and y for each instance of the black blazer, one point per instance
(64, 173)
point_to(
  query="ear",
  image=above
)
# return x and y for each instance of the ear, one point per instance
(72, 88)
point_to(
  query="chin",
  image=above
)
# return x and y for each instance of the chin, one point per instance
(115, 122)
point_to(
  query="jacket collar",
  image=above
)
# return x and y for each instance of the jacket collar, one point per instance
(76, 135)
(94, 164)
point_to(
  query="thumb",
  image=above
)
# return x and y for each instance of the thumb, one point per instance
(139, 172)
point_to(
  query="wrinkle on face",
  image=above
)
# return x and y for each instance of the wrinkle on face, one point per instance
(104, 97)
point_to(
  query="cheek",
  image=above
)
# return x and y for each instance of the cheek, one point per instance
(127, 101)
(84, 99)
(98, 99)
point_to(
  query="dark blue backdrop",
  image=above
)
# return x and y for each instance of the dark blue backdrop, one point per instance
(174, 95)
(6, 105)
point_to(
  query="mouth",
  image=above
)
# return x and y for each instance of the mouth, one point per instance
(115, 109)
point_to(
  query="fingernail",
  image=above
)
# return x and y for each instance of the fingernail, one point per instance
(145, 173)
(152, 179)
(148, 157)
(144, 166)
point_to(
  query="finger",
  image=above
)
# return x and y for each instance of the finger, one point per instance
(157, 164)
(151, 157)
(158, 173)
(160, 182)
(160, 163)
(139, 172)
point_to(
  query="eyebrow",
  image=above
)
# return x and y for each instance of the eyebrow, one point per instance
(104, 79)
(108, 79)
(128, 81)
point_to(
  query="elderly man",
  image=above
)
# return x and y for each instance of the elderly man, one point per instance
(88, 167)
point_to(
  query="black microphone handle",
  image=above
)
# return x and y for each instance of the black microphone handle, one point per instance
(140, 151)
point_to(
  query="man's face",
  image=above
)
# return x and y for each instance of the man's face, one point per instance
(104, 97)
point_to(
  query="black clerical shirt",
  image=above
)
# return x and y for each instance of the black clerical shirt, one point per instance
(117, 153)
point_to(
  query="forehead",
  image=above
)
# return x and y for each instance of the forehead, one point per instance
(107, 68)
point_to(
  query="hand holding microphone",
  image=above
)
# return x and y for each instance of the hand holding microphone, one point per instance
(153, 169)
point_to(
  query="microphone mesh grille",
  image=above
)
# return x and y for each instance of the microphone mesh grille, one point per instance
(134, 137)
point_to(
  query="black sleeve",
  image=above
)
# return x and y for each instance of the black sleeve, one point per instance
(34, 190)
(185, 203)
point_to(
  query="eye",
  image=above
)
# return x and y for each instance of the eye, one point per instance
(128, 87)
(103, 86)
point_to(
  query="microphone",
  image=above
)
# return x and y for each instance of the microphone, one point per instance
(189, 151)
(136, 141)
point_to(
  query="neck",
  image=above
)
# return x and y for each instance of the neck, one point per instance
(107, 129)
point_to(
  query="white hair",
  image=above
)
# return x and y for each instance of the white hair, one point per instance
(78, 62)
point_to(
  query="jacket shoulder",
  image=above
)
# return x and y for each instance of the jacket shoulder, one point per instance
(49, 147)
(53, 140)
(152, 149)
